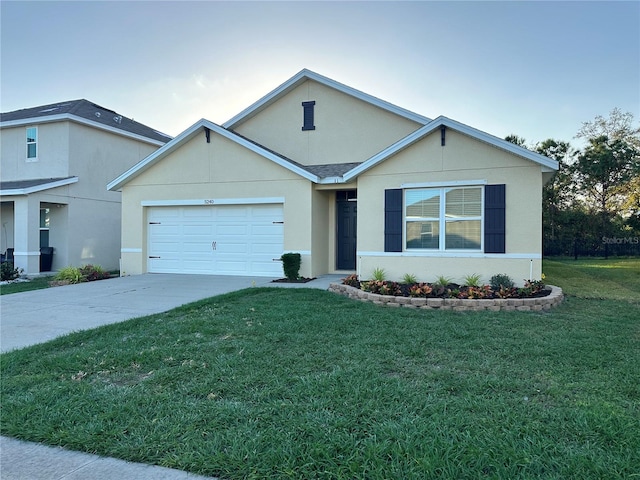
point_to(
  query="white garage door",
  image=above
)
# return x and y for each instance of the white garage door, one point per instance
(220, 240)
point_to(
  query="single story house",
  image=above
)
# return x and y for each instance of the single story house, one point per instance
(56, 160)
(351, 182)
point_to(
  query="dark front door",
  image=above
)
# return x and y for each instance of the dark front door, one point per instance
(346, 232)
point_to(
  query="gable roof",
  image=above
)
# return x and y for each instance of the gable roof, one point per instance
(86, 112)
(198, 128)
(302, 77)
(547, 164)
(330, 173)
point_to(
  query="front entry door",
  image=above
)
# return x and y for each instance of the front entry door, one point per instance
(347, 208)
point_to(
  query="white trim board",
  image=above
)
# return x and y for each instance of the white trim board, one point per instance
(212, 201)
(443, 254)
(453, 183)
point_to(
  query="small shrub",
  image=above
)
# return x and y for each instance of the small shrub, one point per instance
(453, 293)
(531, 288)
(472, 280)
(501, 281)
(381, 287)
(379, 274)
(351, 280)
(409, 278)
(69, 275)
(505, 292)
(477, 292)
(91, 273)
(8, 272)
(291, 265)
(420, 290)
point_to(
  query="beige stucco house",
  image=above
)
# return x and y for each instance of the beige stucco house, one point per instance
(56, 160)
(351, 182)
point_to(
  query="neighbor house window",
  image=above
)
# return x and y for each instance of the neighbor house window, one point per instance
(44, 227)
(32, 143)
(443, 218)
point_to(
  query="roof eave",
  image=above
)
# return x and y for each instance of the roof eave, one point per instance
(38, 188)
(74, 118)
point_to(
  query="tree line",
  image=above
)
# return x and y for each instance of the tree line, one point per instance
(591, 206)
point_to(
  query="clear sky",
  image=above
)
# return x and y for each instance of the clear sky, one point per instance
(536, 69)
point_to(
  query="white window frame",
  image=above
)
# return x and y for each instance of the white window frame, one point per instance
(34, 143)
(442, 219)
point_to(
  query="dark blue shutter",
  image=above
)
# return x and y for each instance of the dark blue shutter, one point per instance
(307, 116)
(494, 219)
(393, 220)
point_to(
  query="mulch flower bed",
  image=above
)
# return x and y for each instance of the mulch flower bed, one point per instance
(288, 280)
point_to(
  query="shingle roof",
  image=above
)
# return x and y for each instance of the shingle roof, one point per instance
(86, 110)
(22, 187)
(330, 170)
(322, 171)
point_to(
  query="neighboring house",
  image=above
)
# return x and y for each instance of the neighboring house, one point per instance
(349, 181)
(56, 162)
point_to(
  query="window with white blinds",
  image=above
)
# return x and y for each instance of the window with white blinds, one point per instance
(443, 218)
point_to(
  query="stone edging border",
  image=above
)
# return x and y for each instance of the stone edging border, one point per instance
(457, 304)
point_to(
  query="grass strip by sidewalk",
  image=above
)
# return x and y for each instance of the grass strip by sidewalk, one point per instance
(300, 383)
(37, 283)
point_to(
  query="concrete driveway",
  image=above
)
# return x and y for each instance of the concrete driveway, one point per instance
(40, 315)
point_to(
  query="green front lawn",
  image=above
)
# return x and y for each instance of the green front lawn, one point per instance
(613, 278)
(301, 383)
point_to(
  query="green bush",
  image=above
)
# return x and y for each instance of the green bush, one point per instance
(91, 273)
(291, 265)
(69, 274)
(8, 272)
(86, 273)
(501, 281)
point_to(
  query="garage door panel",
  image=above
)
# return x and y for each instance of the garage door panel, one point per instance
(217, 239)
(197, 212)
(233, 211)
(266, 210)
(232, 249)
(197, 230)
(271, 250)
(165, 229)
(266, 230)
(232, 229)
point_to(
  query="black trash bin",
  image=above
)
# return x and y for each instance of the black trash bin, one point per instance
(46, 259)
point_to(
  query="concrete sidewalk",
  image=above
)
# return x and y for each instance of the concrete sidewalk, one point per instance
(41, 315)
